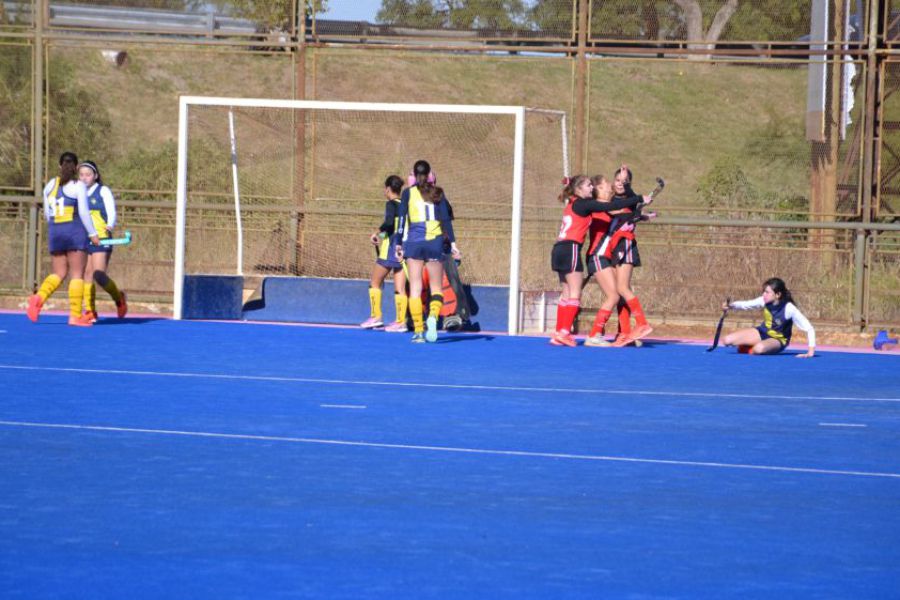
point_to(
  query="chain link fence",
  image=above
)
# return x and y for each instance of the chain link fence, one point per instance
(722, 112)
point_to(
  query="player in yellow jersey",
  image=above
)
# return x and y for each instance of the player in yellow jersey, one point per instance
(384, 240)
(102, 206)
(424, 223)
(70, 232)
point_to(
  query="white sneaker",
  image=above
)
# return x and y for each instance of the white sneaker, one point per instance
(371, 323)
(431, 329)
(597, 341)
(396, 327)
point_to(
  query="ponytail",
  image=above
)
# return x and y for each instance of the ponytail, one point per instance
(778, 286)
(571, 184)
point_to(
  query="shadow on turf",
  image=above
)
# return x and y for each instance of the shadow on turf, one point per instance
(449, 339)
(127, 321)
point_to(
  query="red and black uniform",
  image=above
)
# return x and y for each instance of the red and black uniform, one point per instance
(577, 217)
(599, 226)
(617, 246)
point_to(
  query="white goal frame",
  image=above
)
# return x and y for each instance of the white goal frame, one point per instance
(517, 112)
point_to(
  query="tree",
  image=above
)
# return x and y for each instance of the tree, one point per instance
(696, 20)
(274, 14)
(454, 14)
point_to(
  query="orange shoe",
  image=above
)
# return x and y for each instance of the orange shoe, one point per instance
(81, 321)
(641, 331)
(92, 315)
(34, 307)
(621, 341)
(563, 339)
(122, 306)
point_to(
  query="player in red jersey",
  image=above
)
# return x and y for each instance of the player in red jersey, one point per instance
(618, 249)
(565, 258)
(601, 268)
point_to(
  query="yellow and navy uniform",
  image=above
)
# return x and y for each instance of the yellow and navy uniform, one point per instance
(776, 324)
(424, 226)
(779, 320)
(69, 223)
(390, 238)
(103, 214)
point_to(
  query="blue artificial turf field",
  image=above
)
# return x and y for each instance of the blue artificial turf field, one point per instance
(159, 459)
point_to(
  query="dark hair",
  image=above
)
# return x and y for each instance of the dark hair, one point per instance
(421, 168)
(628, 189)
(393, 181)
(68, 156)
(780, 288)
(571, 184)
(431, 193)
(93, 167)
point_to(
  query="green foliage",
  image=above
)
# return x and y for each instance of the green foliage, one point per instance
(454, 14)
(79, 121)
(781, 141)
(15, 116)
(726, 186)
(274, 14)
(626, 19)
(156, 167)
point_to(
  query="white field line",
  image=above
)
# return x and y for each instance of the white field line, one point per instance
(452, 449)
(450, 386)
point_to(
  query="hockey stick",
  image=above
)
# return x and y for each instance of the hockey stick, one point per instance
(122, 241)
(660, 184)
(715, 343)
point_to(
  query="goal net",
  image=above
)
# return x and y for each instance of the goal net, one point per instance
(295, 188)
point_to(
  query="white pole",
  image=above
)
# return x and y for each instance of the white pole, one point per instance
(565, 144)
(237, 195)
(516, 234)
(180, 204)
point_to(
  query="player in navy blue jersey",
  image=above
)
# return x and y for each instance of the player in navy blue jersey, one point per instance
(102, 206)
(780, 314)
(70, 232)
(424, 225)
(385, 240)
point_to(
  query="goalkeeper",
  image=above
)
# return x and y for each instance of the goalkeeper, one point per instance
(385, 240)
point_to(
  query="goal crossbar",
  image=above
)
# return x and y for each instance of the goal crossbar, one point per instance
(516, 112)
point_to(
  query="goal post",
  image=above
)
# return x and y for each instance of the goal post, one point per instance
(273, 225)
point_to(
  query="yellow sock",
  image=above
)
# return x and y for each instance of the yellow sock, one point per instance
(49, 286)
(434, 307)
(112, 290)
(90, 300)
(76, 295)
(401, 302)
(415, 309)
(375, 302)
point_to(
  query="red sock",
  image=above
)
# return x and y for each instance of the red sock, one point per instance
(560, 306)
(600, 321)
(624, 318)
(635, 305)
(569, 312)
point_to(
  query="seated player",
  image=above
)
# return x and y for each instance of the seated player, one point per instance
(780, 314)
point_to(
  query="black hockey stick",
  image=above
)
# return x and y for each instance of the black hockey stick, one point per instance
(715, 343)
(636, 216)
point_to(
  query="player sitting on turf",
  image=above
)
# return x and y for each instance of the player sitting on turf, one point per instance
(780, 315)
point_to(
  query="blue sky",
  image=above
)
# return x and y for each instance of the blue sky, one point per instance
(353, 10)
